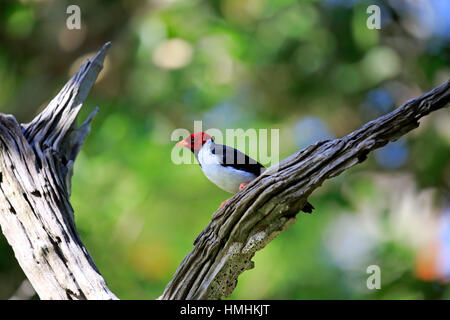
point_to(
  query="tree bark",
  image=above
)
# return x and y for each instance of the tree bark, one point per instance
(36, 217)
(269, 204)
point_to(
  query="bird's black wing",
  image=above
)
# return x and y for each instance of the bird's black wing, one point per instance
(232, 157)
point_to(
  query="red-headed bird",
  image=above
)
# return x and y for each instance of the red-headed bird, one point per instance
(228, 168)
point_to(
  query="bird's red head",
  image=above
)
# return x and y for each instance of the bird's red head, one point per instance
(195, 141)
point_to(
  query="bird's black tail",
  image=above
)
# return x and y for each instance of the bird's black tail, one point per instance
(308, 208)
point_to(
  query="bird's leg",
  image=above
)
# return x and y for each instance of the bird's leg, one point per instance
(243, 185)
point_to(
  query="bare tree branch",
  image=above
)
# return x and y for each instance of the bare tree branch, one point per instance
(35, 213)
(270, 203)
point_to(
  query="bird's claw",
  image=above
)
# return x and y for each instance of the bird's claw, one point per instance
(243, 185)
(223, 203)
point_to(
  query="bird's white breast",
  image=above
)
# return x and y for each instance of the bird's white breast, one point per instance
(225, 177)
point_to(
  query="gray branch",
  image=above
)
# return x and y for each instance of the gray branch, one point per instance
(270, 203)
(36, 163)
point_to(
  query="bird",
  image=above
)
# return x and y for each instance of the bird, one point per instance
(228, 168)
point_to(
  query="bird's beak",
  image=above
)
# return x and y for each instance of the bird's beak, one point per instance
(183, 143)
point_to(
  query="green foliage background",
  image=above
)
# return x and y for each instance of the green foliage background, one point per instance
(311, 69)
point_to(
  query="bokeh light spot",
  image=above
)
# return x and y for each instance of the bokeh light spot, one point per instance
(173, 54)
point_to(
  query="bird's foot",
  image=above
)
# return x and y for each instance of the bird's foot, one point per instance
(223, 203)
(243, 185)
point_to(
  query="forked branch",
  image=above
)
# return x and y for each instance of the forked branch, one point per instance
(36, 163)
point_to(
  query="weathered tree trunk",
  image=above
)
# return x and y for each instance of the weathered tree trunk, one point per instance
(36, 163)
